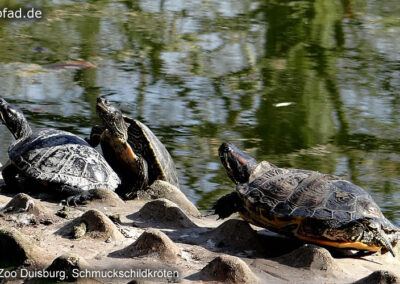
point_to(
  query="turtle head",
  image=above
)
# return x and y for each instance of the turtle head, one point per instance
(378, 235)
(14, 119)
(112, 118)
(238, 164)
(366, 231)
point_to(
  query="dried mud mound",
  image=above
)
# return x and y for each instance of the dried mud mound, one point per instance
(17, 249)
(67, 263)
(93, 224)
(233, 233)
(161, 189)
(238, 236)
(228, 269)
(153, 243)
(165, 213)
(23, 209)
(310, 257)
(105, 196)
(380, 277)
(23, 203)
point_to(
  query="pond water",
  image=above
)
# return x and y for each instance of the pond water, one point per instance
(303, 84)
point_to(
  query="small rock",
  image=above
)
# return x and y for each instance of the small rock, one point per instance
(163, 189)
(115, 218)
(153, 242)
(379, 277)
(228, 269)
(67, 263)
(79, 230)
(16, 249)
(67, 213)
(311, 257)
(165, 212)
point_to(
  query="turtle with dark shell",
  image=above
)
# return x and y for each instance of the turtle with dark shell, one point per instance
(52, 159)
(311, 206)
(133, 151)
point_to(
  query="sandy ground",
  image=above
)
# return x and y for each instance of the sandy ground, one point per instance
(195, 242)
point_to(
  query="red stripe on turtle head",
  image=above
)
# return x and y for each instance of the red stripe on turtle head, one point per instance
(241, 160)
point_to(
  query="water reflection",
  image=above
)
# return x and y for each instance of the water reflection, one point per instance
(200, 73)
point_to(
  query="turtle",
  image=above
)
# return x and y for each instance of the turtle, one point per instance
(308, 205)
(132, 150)
(52, 159)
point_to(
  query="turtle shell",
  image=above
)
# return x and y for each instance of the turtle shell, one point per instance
(60, 157)
(292, 194)
(146, 144)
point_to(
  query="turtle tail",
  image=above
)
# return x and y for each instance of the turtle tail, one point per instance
(227, 205)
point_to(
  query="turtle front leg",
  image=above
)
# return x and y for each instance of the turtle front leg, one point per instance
(143, 174)
(10, 173)
(227, 205)
(75, 195)
(130, 189)
(95, 135)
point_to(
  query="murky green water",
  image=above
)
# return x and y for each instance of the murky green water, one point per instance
(305, 84)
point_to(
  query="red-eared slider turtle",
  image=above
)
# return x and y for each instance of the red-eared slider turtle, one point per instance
(132, 150)
(54, 159)
(308, 205)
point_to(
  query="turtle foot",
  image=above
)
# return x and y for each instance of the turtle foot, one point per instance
(79, 199)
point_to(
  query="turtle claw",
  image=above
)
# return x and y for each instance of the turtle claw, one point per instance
(78, 199)
(72, 200)
(387, 245)
(95, 134)
(75, 195)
